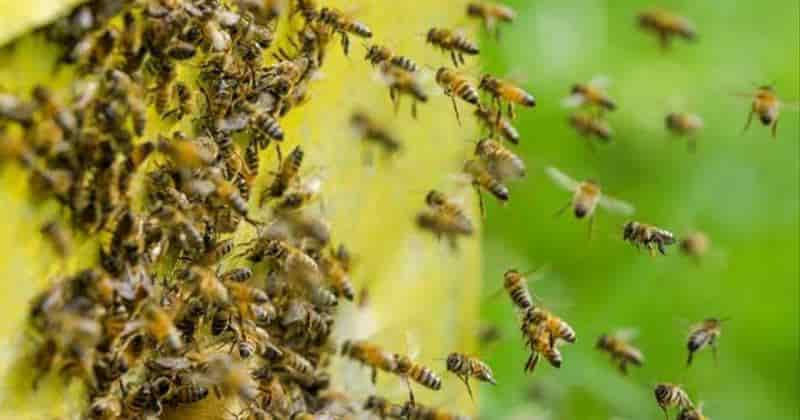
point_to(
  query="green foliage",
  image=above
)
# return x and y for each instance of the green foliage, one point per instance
(740, 188)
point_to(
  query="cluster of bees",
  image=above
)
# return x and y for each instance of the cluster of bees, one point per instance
(176, 310)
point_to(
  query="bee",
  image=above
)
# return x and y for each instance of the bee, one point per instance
(308, 9)
(667, 25)
(59, 238)
(188, 318)
(186, 153)
(403, 82)
(185, 100)
(502, 163)
(370, 130)
(378, 54)
(143, 401)
(448, 207)
(588, 125)
(371, 355)
(160, 326)
(414, 411)
(15, 109)
(105, 407)
(702, 334)
(407, 368)
(483, 179)
(502, 90)
(587, 195)
(291, 260)
(453, 42)
(189, 393)
(228, 377)
(621, 350)
(456, 85)
(591, 94)
(516, 285)
(221, 322)
(287, 172)
(684, 124)
(695, 244)
(303, 193)
(555, 327)
(337, 274)
(343, 25)
(237, 275)
(539, 340)
(466, 367)
(767, 105)
(229, 194)
(641, 234)
(297, 363)
(491, 14)
(255, 340)
(497, 123)
(692, 413)
(244, 296)
(383, 408)
(670, 395)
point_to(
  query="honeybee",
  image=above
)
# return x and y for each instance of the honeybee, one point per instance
(237, 275)
(516, 285)
(227, 376)
(403, 82)
(186, 153)
(491, 14)
(15, 109)
(307, 8)
(670, 395)
(466, 367)
(453, 42)
(695, 245)
(59, 238)
(407, 368)
(443, 224)
(539, 341)
(450, 208)
(105, 407)
(497, 123)
(456, 85)
(483, 179)
(502, 90)
(684, 124)
(702, 334)
(591, 94)
(185, 100)
(621, 351)
(556, 328)
(666, 25)
(502, 163)
(287, 172)
(189, 393)
(370, 355)
(414, 411)
(692, 413)
(143, 401)
(229, 194)
(587, 195)
(378, 54)
(255, 340)
(767, 105)
(370, 130)
(291, 260)
(159, 325)
(343, 25)
(303, 194)
(589, 125)
(297, 363)
(641, 234)
(383, 408)
(336, 273)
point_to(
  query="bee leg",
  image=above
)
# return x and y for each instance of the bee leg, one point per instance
(510, 111)
(461, 58)
(713, 345)
(749, 120)
(775, 128)
(455, 107)
(591, 225)
(689, 359)
(480, 202)
(465, 379)
(345, 41)
(414, 109)
(663, 37)
(562, 209)
(666, 414)
(454, 58)
(623, 367)
(374, 375)
(530, 364)
(410, 392)
(661, 248)
(692, 145)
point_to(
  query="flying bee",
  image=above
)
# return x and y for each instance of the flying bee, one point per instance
(229, 194)
(502, 90)
(344, 25)
(670, 395)
(227, 376)
(587, 195)
(497, 123)
(383, 408)
(556, 328)
(588, 125)
(591, 94)
(302, 194)
(160, 326)
(767, 105)
(456, 85)
(622, 352)
(403, 82)
(502, 163)
(516, 285)
(59, 238)
(457, 44)
(695, 245)
(290, 260)
(491, 14)
(702, 334)
(466, 367)
(539, 341)
(451, 208)
(684, 124)
(692, 413)
(407, 368)
(337, 274)
(414, 411)
(370, 355)
(371, 131)
(186, 153)
(666, 25)
(378, 54)
(483, 179)
(443, 224)
(641, 234)
(287, 172)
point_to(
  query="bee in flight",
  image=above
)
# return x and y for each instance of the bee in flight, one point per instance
(648, 236)
(587, 195)
(373, 132)
(457, 85)
(684, 124)
(767, 106)
(671, 395)
(482, 179)
(378, 54)
(502, 163)
(592, 94)
(516, 285)
(344, 25)
(413, 411)
(622, 352)
(371, 355)
(491, 14)
(466, 367)
(503, 90)
(692, 413)
(454, 42)
(695, 245)
(667, 25)
(704, 334)
(497, 124)
(589, 125)
(403, 82)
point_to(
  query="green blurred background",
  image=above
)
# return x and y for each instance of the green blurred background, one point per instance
(740, 188)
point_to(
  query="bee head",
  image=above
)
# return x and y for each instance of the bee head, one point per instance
(628, 229)
(162, 386)
(661, 392)
(434, 198)
(766, 118)
(511, 276)
(581, 211)
(671, 119)
(577, 89)
(453, 361)
(602, 341)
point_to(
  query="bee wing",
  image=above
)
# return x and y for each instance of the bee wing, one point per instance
(627, 334)
(561, 178)
(600, 81)
(513, 168)
(616, 206)
(413, 346)
(573, 101)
